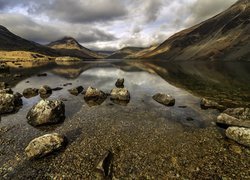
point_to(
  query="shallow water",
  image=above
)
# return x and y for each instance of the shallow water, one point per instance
(142, 126)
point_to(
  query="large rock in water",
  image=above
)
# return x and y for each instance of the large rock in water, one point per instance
(208, 104)
(235, 117)
(46, 112)
(44, 145)
(120, 94)
(94, 96)
(240, 135)
(9, 103)
(164, 99)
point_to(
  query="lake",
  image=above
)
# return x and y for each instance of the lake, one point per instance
(148, 140)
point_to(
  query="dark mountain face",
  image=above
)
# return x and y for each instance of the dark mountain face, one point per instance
(68, 46)
(223, 37)
(12, 42)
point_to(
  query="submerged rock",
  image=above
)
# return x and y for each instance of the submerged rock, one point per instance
(45, 91)
(46, 112)
(120, 83)
(44, 145)
(208, 104)
(67, 84)
(239, 134)
(57, 89)
(9, 103)
(164, 99)
(17, 75)
(76, 91)
(120, 94)
(94, 96)
(189, 119)
(30, 92)
(42, 74)
(226, 119)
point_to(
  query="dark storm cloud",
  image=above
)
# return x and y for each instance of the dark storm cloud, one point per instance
(80, 11)
(28, 29)
(95, 35)
(152, 8)
(73, 11)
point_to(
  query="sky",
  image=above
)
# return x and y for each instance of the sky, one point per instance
(105, 24)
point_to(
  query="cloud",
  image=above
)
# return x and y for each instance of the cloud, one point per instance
(42, 33)
(152, 9)
(109, 24)
(203, 9)
(80, 11)
(95, 35)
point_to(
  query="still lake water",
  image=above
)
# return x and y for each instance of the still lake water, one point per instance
(226, 83)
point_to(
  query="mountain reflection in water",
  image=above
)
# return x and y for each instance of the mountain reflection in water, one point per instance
(228, 83)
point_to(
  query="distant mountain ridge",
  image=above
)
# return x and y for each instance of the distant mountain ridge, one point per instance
(125, 52)
(222, 37)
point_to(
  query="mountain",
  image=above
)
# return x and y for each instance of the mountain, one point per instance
(15, 47)
(68, 46)
(125, 52)
(223, 37)
(144, 51)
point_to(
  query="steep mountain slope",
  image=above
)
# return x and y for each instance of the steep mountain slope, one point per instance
(125, 52)
(12, 45)
(68, 46)
(223, 37)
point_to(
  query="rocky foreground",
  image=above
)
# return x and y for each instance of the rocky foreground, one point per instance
(129, 148)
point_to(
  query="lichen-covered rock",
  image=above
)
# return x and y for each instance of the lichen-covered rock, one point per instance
(9, 103)
(119, 83)
(94, 97)
(44, 145)
(239, 113)
(208, 104)
(3, 85)
(239, 134)
(30, 92)
(6, 90)
(226, 119)
(164, 99)
(75, 91)
(46, 112)
(93, 93)
(120, 94)
(45, 91)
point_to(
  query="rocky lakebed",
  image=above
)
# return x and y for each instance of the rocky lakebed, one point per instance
(124, 120)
